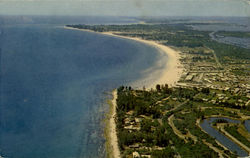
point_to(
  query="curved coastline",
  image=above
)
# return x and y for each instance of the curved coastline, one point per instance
(172, 69)
(169, 74)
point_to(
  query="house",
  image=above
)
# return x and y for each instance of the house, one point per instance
(136, 154)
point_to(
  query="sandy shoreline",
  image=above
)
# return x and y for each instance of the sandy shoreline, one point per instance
(172, 70)
(114, 148)
(169, 74)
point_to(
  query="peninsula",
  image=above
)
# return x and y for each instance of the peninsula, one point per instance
(200, 105)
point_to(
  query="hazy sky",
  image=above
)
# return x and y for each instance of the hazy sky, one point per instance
(127, 7)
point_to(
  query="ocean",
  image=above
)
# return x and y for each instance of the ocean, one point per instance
(55, 84)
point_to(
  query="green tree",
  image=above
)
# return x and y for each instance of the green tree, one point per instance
(158, 87)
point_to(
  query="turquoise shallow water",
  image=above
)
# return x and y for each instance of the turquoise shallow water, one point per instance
(54, 85)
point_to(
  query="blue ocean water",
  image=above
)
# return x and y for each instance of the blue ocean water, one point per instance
(54, 85)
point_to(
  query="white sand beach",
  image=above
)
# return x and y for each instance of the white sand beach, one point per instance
(172, 69)
(112, 128)
(169, 74)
